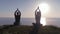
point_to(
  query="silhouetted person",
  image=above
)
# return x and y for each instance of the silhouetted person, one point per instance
(37, 18)
(17, 15)
(37, 15)
(36, 25)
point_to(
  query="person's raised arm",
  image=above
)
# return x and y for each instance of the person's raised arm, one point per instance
(15, 13)
(35, 12)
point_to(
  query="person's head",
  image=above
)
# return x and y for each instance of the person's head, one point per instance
(17, 13)
(38, 13)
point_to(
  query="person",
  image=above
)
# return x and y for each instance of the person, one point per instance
(36, 25)
(37, 15)
(17, 15)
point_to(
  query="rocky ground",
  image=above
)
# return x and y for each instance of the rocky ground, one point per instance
(10, 29)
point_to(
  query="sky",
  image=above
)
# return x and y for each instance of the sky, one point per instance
(27, 8)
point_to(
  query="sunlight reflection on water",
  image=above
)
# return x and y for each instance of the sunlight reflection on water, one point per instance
(43, 21)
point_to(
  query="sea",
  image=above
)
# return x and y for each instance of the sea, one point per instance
(29, 21)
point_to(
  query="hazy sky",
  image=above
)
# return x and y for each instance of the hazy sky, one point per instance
(27, 7)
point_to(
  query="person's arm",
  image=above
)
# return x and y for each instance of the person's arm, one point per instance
(15, 13)
(20, 13)
(35, 12)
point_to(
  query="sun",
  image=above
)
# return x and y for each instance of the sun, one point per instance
(44, 7)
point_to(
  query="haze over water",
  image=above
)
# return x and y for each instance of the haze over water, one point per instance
(29, 21)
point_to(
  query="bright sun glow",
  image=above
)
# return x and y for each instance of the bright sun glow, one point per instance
(44, 7)
(43, 21)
